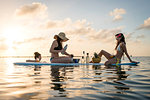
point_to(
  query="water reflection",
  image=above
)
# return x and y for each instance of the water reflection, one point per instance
(37, 70)
(113, 75)
(121, 73)
(59, 75)
(96, 67)
(57, 78)
(74, 82)
(121, 76)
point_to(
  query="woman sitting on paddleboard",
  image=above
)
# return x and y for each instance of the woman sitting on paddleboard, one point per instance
(120, 50)
(56, 48)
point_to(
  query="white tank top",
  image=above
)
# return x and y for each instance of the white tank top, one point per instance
(118, 48)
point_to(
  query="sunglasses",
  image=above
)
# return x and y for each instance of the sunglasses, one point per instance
(118, 36)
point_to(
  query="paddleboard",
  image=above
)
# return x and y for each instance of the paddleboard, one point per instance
(66, 64)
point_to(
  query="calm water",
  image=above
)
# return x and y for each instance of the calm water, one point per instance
(74, 82)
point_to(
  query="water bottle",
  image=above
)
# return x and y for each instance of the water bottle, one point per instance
(65, 48)
(82, 60)
(83, 57)
(87, 58)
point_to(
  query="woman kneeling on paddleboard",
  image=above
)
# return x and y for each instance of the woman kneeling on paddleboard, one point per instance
(120, 50)
(56, 48)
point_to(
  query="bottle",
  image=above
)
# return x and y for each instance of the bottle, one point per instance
(65, 48)
(83, 52)
(82, 60)
(87, 58)
(83, 56)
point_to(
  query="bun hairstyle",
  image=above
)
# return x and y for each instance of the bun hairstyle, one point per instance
(120, 35)
(36, 55)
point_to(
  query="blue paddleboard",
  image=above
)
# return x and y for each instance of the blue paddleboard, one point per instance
(67, 64)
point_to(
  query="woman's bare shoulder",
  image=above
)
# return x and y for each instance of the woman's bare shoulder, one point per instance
(55, 42)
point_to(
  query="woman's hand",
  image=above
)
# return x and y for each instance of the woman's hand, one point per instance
(71, 55)
(62, 51)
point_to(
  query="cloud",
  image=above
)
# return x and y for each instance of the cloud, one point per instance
(146, 24)
(105, 35)
(30, 40)
(117, 14)
(79, 27)
(3, 46)
(58, 23)
(102, 35)
(2, 40)
(132, 35)
(66, 24)
(83, 28)
(35, 9)
(141, 36)
(129, 36)
(133, 38)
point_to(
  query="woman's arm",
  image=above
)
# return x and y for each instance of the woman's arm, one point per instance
(125, 50)
(70, 55)
(54, 44)
(66, 53)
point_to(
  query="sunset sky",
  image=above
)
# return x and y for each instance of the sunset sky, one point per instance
(27, 26)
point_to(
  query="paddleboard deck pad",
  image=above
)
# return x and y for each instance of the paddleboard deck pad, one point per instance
(66, 64)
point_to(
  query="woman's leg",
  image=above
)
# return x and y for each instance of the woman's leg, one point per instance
(112, 61)
(62, 60)
(106, 54)
(31, 61)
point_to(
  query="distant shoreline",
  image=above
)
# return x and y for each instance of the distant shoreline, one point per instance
(46, 56)
(27, 56)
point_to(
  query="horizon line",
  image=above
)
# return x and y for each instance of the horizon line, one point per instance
(46, 56)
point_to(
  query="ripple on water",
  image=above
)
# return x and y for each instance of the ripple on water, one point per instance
(138, 76)
(143, 70)
(86, 78)
(144, 80)
(97, 85)
(99, 96)
(114, 83)
(133, 82)
(122, 95)
(139, 94)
